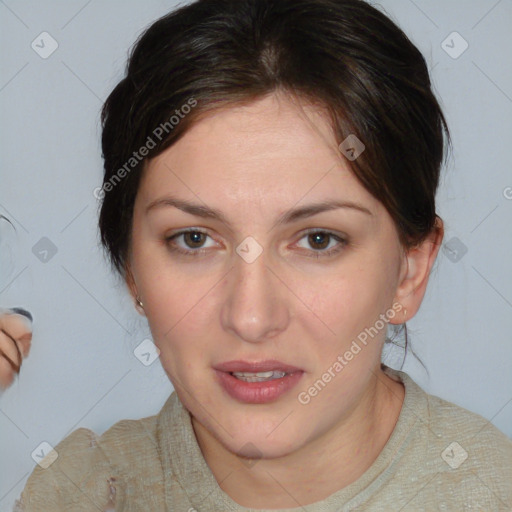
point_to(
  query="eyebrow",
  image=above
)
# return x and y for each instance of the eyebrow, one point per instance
(286, 218)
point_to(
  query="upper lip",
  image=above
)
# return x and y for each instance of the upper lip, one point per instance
(257, 366)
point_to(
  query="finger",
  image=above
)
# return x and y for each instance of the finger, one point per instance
(10, 351)
(19, 327)
(6, 374)
(15, 341)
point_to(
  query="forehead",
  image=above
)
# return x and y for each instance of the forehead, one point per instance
(270, 152)
(276, 126)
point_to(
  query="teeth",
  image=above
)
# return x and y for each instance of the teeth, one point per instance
(258, 376)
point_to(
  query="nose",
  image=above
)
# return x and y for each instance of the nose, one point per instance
(255, 307)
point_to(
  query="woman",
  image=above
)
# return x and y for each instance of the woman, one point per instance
(269, 198)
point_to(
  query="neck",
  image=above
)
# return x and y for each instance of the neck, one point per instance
(320, 468)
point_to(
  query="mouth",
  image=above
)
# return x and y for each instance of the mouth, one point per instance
(259, 376)
(258, 382)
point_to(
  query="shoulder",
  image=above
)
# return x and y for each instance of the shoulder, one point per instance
(466, 458)
(476, 457)
(446, 421)
(482, 441)
(86, 468)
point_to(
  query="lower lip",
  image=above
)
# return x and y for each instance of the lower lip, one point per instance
(257, 392)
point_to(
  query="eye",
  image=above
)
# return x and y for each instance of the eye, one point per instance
(324, 243)
(193, 239)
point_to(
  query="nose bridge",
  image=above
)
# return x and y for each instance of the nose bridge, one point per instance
(254, 308)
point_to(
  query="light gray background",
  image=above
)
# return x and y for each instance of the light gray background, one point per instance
(82, 370)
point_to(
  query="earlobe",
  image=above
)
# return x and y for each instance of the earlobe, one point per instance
(139, 306)
(132, 288)
(418, 264)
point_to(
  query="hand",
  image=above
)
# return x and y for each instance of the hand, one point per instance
(15, 341)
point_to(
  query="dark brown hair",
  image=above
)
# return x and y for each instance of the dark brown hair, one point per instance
(342, 54)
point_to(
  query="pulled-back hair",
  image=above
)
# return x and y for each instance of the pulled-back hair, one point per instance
(344, 55)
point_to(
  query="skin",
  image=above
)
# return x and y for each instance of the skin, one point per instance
(15, 331)
(253, 163)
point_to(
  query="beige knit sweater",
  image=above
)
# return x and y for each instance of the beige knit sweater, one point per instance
(440, 457)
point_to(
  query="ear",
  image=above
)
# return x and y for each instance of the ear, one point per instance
(132, 288)
(418, 262)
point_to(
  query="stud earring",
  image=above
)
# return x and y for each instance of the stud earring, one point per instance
(139, 302)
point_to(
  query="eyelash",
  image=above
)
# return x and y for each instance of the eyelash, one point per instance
(315, 253)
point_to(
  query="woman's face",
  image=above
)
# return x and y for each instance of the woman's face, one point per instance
(268, 274)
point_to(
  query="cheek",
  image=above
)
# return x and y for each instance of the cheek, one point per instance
(348, 304)
(169, 290)
(354, 293)
(179, 306)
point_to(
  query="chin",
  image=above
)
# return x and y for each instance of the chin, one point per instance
(257, 447)
(255, 431)
(263, 440)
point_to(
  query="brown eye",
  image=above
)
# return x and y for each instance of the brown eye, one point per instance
(319, 240)
(189, 242)
(193, 239)
(323, 243)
